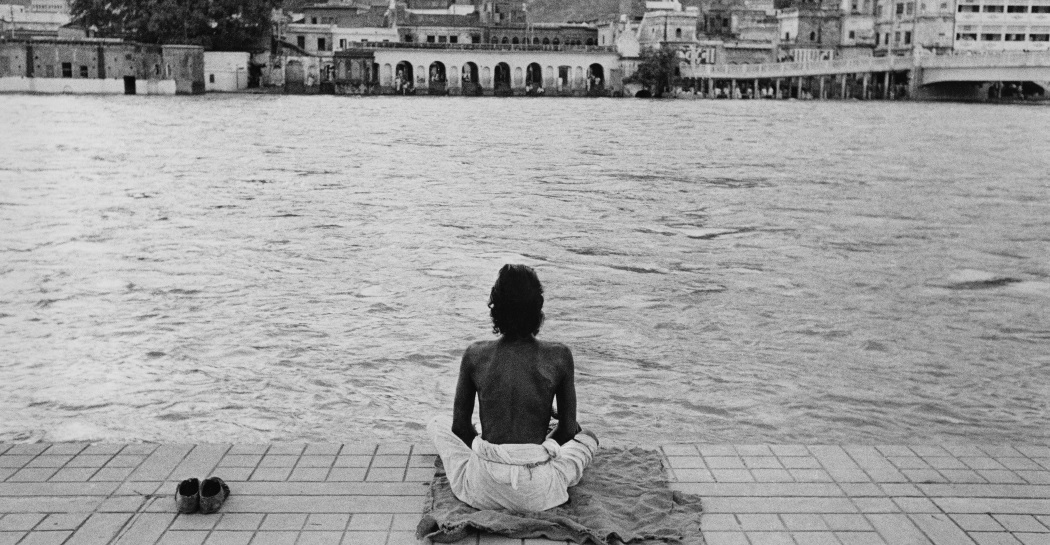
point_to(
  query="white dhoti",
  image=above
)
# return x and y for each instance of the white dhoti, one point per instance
(518, 477)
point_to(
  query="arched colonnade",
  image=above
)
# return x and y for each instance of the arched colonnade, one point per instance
(492, 74)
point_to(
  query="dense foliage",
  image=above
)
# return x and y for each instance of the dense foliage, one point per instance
(657, 70)
(223, 25)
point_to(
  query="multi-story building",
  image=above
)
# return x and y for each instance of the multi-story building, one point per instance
(746, 30)
(810, 30)
(503, 12)
(325, 29)
(858, 29)
(33, 18)
(665, 22)
(906, 26)
(998, 25)
(440, 29)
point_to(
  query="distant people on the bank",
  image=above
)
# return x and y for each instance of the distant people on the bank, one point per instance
(521, 460)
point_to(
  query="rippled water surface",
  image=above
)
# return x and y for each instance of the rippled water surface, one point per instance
(255, 268)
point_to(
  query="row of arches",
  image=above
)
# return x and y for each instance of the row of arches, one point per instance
(501, 77)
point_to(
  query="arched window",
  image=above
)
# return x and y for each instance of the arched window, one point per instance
(556, 41)
(812, 36)
(515, 40)
(408, 37)
(505, 40)
(546, 41)
(535, 41)
(495, 40)
(678, 33)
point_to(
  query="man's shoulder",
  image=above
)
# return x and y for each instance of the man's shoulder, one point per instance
(552, 345)
(555, 348)
(480, 347)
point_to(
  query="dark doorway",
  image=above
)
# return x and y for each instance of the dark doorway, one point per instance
(403, 80)
(534, 75)
(129, 85)
(596, 76)
(471, 82)
(534, 79)
(438, 78)
(501, 80)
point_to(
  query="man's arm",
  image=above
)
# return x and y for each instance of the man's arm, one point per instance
(463, 406)
(566, 396)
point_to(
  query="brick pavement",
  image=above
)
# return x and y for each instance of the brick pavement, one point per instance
(305, 494)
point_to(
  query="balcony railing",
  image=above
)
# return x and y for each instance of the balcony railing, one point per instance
(782, 69)
(987, 60)
(872, 64)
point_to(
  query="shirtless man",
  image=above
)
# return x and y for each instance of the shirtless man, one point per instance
(515, 463)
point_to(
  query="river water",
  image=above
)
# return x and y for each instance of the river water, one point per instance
(257, 268)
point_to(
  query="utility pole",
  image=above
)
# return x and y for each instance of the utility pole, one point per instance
(525, 11)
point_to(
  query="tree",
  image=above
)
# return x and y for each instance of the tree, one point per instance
(223, 25)
(657, 70)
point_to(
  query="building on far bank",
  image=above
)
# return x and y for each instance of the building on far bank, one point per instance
(32, 18)
(745, 31)
(994, 25)
(857, 37)
(810, 30)
(905, 26)
(100, 66)
(438, 29)
(478, 69)
(226, 71)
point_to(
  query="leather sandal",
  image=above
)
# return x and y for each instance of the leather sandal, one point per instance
(187, 496)
(213, 494)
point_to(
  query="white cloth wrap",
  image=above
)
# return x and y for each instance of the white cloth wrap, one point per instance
(505, 462)
(518, 477)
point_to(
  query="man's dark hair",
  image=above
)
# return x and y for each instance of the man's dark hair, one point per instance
(516, 302)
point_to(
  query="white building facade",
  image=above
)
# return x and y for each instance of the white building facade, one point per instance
(907, 26)
(1002, 25)
(225, 71)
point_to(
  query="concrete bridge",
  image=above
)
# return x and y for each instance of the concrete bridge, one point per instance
(923, 76)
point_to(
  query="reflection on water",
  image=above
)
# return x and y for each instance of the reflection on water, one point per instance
(253, 268)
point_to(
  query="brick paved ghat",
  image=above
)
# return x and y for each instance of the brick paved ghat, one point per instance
(306, 494)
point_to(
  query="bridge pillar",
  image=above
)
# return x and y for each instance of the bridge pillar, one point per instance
(886, 85)
(710, 89)
(777, 85)
(864, 87)
(754, 90)
(913, 81)
(822, 87)
(842, 86)
(800, 87)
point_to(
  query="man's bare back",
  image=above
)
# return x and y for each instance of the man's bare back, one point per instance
(515, 380)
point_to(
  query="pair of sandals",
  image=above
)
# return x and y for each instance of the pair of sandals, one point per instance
(192, 495)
